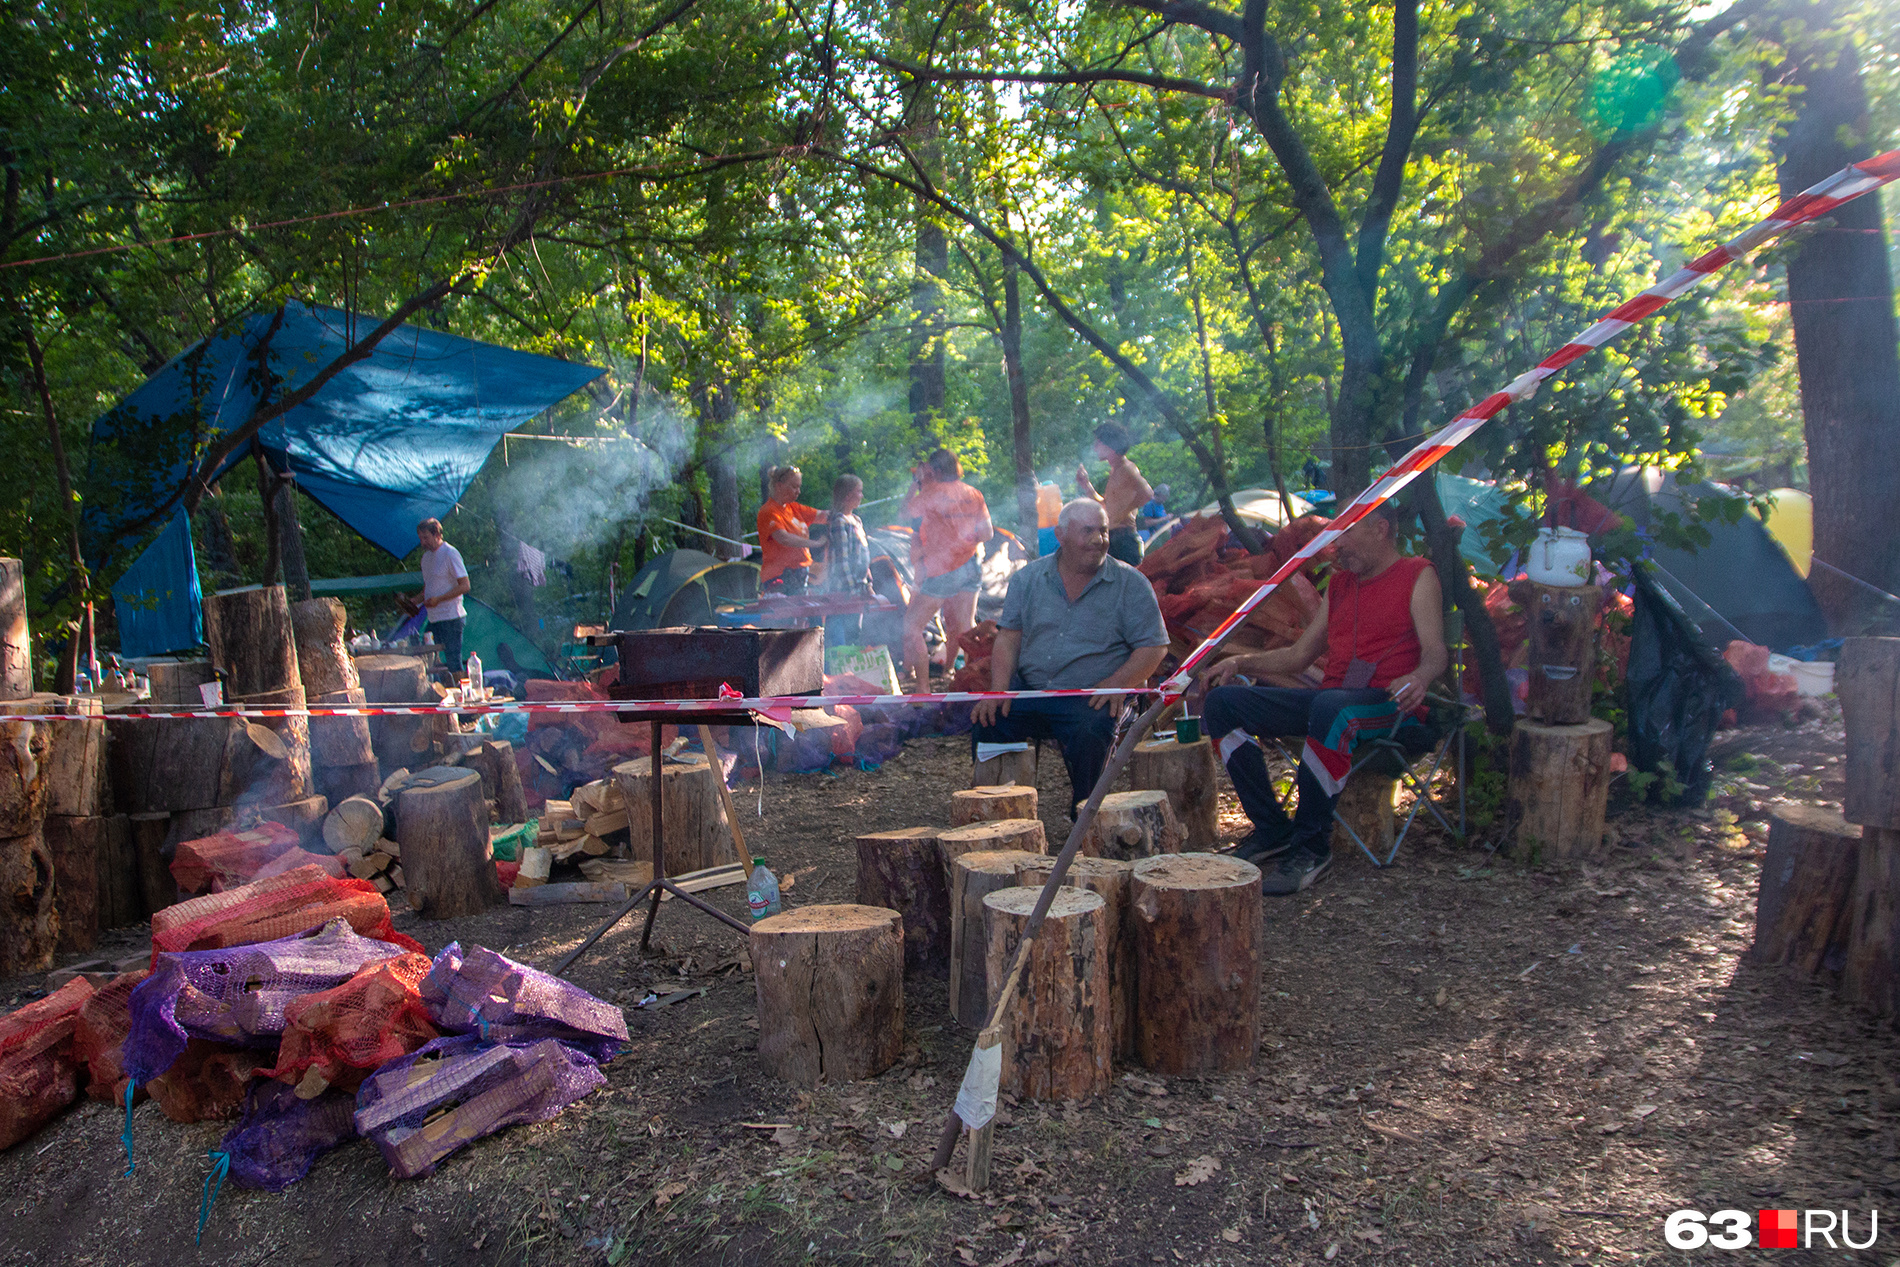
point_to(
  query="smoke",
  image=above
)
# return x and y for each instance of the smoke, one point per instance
(564, 497)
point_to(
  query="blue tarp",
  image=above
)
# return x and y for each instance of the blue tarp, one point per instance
(392, 439)
(159, 606)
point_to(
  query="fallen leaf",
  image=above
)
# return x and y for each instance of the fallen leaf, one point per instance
(896, 1129)
(479, 1241)
(1200, 1170)
(1643, 1110)
(1332, 1251)
(667, 1193)
(1371, 1235)
(893, 1162)
(1442, 997)
(1010, 1259)
(966, 1254)
(786, 1137)
(948, 1181)
(1231, 1235)
(1609, 1128)
(418, 1229)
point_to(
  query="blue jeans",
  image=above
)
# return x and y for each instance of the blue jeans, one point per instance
(1084, 733)
(448, 635)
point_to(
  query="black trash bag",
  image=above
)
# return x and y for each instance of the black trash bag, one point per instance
(1678, 689)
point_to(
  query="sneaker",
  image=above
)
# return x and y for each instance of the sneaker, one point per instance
(1299, 869)
(1263, 844)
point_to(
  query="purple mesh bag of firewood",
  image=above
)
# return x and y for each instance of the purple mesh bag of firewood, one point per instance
(281, 1136)
(494, 997)
(482, 1086)
(236, 995)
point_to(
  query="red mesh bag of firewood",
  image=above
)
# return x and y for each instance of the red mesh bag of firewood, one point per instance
(337, 1036)
(38, 1075)
(280, 906)
(206, 1082)
(104, 1021)
(229, 858)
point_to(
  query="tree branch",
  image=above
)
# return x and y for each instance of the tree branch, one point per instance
(1401, 130)
(1160, 83)
(1193, 13)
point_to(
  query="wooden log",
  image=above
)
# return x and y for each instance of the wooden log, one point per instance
(1563, 640)
(1870, 971)
(1110, 878)
(75, 846)
(1559, 787)
(76, 767)
(249, 634)
(501, 781)
(16, 642)
(121, 901)
(902, 871)
(175, 683)
(1190, 775)
(267, 762)
(29, 914)
(23, 772)
(150, 833)
(338, 783)
(1059, 1034)
(195, 824)
(830, 983)
(442, 827)
(1134, 825)
(1025, 834)
(973, 877)
(169, 765)
(323, 655)
(304, 816)
(1806, 891)
(397, 679)
(1369, 803)
(987, 804)
(697, 834)
(340, 741)
(1197, 963)
(573, 892)
(1868, 682)
(1010, 767)
(356, 823)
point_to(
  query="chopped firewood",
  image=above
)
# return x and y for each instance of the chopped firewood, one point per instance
(535, 863)
(566, 829)
(631, 874)
(395, 877)
(607, 822)
(384, 884)
(710, 878)
(562, 894)
(390, 847)
(594, 847)
(371, 865)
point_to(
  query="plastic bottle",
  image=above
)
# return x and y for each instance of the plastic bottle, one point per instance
(475, 673)
(761, 891)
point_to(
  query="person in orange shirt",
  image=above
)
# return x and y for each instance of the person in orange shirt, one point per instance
(943, 556)
(785, 543)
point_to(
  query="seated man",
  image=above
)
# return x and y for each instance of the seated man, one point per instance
(1072, 619)
(1382, 630)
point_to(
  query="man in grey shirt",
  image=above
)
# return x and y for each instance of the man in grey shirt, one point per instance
(1072, 620)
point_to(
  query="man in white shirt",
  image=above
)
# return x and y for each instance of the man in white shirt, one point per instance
(444, 581)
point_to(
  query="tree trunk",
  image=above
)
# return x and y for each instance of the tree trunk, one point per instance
(1059, 1033)
(697, 835)
(324, 663)
(1134, 825)
(23, 774)
(340, 741)
(80, 579)
(16, 639)
(1023, 449)
(304, 816)
(1454, 575)
(1870, 976)
(903, 871)
(1559, 788)
(29, 918)
(1197, 963)
(1110, 878)
(988, 804)
(165, 764)
(1187, 773)
(1840, 294)
(75, 765)
(251, 639)
(75, 846)
(176, 683)
(1807, 887)
(973, 877)
(447, 866)
(1868, 683)
(296, 571)
(1023, 834)
(830, 983)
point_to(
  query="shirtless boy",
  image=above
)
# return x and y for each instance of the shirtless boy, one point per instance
(1126, 492)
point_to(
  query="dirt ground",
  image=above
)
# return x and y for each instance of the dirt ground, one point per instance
(1463, 1059)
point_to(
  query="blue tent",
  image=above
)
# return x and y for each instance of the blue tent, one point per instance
(392, 439)
(158, 603)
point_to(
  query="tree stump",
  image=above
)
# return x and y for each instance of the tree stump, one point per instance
(1870, 972)
(120, 898)
(250, 637)
(501, 779)
(902, 871)
(356, 823)
(1190, 776)
(340, 741)
(75, 765)
(1059, 1033)
(397, 679)
(338, 783)
(29, 917)
(76, 846)
(1368, 804)
(164, 765)
(1807, 887)
(987, 804)
(1559, 787)
(16, 643)
(1110, 878)
(442, 826)
(267, 762)
(150, 837)
(1134, 825)
(830, 983)
(175, 683)
(973, 877)
(23, 772)
(1025, 834)
(323, 653)
(1563, 639)
(1868, 682)
(304, 816)
(692, 813)
(1197, 963)
(1010, 767)
(194, 824)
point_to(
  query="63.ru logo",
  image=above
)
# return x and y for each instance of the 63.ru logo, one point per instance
(1778, 1229)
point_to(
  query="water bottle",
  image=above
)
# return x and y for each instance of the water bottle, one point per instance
(475, 674)
(761, 891)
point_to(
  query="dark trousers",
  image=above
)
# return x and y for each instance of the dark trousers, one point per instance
(1084, 733)
(1125, 544)
(448, 635)
(1279, 712)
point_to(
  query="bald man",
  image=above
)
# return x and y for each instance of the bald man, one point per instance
(1073, 619)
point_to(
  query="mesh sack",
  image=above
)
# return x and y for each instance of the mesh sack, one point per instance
(38, 1076)
(504, 1001)
(236, 995)
(483, 1087)
(103, 1022)
(281, 1134)
(280, 906)
(228, 858)
(297, 856)
(341, 1034)
(206, 1082)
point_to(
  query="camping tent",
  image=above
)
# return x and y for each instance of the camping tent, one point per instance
(682, 587)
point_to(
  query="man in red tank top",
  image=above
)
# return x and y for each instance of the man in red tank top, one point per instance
(1381, 630)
